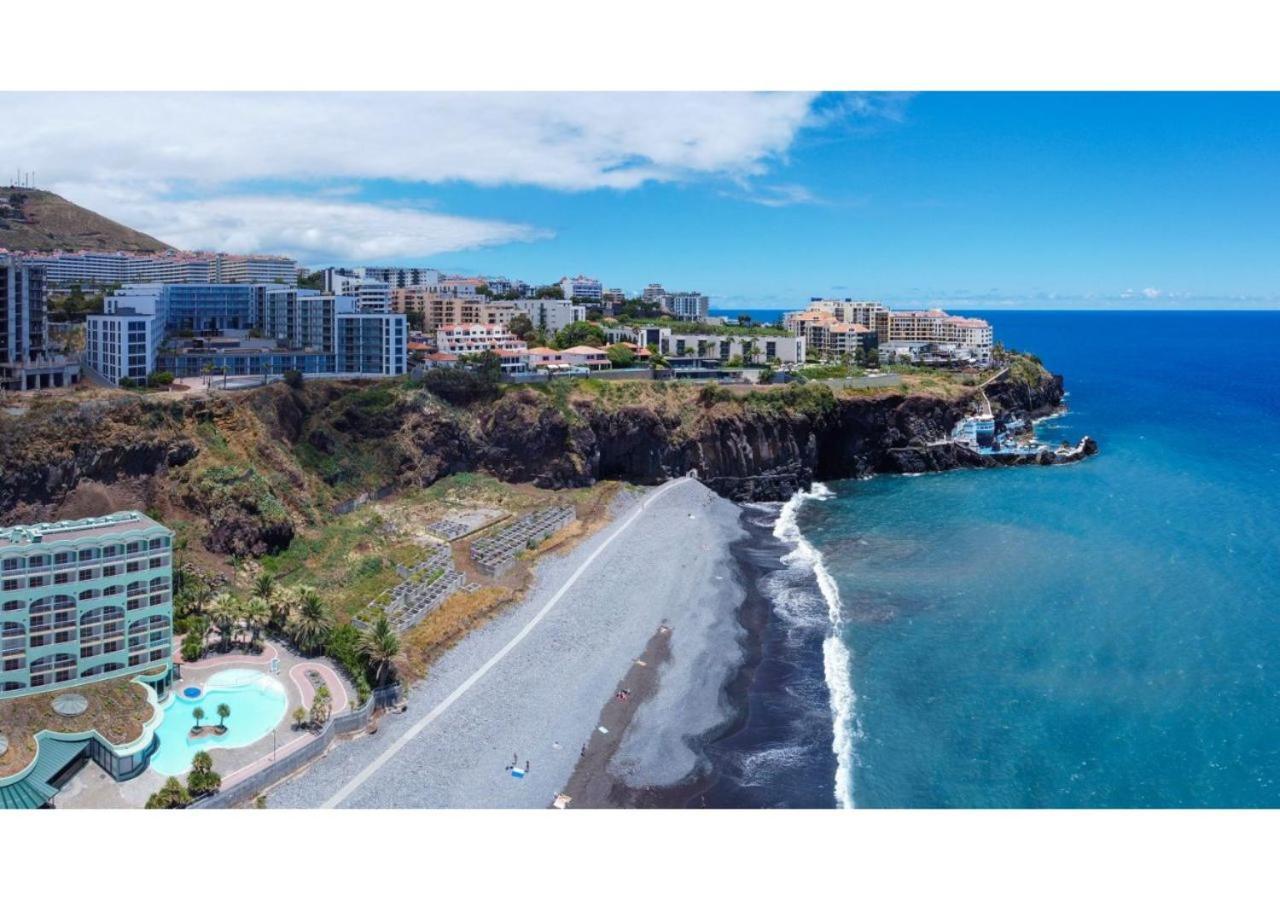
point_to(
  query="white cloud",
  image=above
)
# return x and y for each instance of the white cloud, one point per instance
(190, 168)
(309, 228)
(1149, 293)
(561, 141)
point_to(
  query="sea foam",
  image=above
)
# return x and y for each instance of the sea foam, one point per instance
(836, 659)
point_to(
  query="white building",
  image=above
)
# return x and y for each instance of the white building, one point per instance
(654, 293)
(121, 345)
(786, 349)
(581, 288)
(551, 314)
(171, 267)
(475, 338)
(372, 344)
(688, 305)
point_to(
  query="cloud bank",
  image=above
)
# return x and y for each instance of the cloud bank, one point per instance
(182, 166)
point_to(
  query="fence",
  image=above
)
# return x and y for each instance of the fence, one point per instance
(355, 503)
(356, 720)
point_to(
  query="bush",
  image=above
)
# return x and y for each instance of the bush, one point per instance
(127, 383)
(343, 647)
(193, 644)
(172, 795)
(160, 379)
(293, 378)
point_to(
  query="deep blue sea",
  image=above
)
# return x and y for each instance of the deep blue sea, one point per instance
(1105, 634)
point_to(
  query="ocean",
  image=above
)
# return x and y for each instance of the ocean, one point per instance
(1104, 634)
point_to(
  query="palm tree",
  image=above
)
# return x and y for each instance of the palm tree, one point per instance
(223, 712)
(225, 612)
(256, 616)
(282, 605)
(312, 621)
(264, 587)
(380, 645)
(198, 715)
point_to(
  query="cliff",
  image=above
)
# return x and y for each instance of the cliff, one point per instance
(239, 473)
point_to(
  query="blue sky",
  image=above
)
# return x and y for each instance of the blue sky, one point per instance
(973, 200)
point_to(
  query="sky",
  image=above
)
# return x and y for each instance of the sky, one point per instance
(987, 200)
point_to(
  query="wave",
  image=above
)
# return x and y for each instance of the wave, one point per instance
(836, 659)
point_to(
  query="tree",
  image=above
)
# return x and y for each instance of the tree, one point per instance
(380, 646)
(159, 379)
(293, 378)
(657, 360)
(193, 645)
(734, 362)
(766, 375)
(172, 795)
(312, 621)
(521, 326)
(621, 356)
(256, 616)
(224, 712)
(225, 612)
(198, 715)
(126, 382)
(281, 605)
(488, 365)
(299, 717)
(579, 333)
(202, 779)
(549, 291)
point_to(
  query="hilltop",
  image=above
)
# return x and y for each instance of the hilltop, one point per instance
(41, 221)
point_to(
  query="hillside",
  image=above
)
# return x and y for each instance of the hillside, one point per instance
(34, 220)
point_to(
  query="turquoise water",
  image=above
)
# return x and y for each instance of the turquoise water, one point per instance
(257, 700)
(1105, 634)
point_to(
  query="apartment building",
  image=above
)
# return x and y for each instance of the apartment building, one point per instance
(827, 336)
(690, 306)
(916, 332)
(399, 276)
(173, 267)
(854, 312)
(26, 360)
(448, 309)
(785, 349)
(238, 330)
(551, 314)
(460, 339)
(581, 288)
(85, 600)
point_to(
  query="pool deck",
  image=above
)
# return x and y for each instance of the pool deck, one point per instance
(91, 788)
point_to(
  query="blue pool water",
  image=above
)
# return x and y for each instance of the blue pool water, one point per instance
(1099, 635)
(257, 701)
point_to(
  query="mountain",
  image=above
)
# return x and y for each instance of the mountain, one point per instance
(33, 220)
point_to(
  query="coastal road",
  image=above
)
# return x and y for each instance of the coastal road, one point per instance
(528, 688)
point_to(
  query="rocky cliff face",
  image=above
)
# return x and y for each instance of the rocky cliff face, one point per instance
(246, 468)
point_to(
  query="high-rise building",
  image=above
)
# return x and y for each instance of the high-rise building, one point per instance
(88, 268)
(689, 305)
(26, 362)
(240, 329)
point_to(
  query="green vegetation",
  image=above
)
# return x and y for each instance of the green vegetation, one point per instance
(202, 780)
(172, 795)
(578, 334)
(621, 357)
(814, 400)
(380, 647)
(678, 326)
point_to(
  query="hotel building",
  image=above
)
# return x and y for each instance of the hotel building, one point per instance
(173, 267)
(783, 348)
(240, 330)
(459, 339)
(85, 600)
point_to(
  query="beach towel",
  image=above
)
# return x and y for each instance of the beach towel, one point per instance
(517, 773)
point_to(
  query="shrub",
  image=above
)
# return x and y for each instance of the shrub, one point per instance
(202, 779)
(127, 383)
(293, 378)
(343, 647)
(159, 379)
(172, 795)
(193, 644)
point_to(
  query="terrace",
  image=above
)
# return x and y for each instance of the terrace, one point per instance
(495, 554)
(426, 585)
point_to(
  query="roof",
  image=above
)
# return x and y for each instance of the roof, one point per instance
(442, 357)
(71, 529)
(544, 350)
(34, 790)
(582, 350)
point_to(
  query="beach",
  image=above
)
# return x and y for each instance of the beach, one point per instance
(529, 690)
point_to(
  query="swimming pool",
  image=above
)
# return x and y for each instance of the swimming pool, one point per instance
(257, 701)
